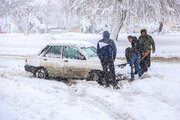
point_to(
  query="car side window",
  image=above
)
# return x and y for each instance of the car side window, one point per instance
(73, 53)
(54, 52)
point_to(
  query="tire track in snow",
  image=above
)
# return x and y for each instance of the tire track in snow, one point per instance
(100, 102)
(11, 74)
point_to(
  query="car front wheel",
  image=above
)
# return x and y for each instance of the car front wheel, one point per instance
(94, 76)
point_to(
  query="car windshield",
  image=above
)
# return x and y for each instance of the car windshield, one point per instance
(90, 51)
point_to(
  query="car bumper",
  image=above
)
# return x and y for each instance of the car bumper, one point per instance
(29, 68)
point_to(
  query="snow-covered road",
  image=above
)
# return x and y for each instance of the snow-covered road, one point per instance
(23, 97)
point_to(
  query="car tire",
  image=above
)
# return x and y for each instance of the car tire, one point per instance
(41, 73)
(94, 76)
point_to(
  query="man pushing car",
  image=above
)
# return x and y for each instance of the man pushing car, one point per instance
(149, 45)
(106, 50)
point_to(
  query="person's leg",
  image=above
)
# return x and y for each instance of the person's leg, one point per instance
(135, 67)
(138, 57)
(132, 60)
(112, 72)
(146, 63)
(143, 64)
(105, 71)
(149, 60)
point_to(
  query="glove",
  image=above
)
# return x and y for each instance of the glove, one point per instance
(146, 54)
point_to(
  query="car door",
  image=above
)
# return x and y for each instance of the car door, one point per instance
(75, 64)
(52, 60)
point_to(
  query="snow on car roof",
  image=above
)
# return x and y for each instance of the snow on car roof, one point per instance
(71, 42)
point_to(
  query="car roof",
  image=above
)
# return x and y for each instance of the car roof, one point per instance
(71, 43)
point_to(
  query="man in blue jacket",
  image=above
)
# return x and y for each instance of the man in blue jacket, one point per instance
(106, 50)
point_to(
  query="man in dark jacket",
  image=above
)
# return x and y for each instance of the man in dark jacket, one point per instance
(134, 55)
(106, 50)
(149, 44)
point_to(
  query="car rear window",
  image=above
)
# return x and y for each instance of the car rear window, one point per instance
(54, 52)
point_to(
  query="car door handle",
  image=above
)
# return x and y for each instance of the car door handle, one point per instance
(45, 59)
(68, 70)
(65, 60)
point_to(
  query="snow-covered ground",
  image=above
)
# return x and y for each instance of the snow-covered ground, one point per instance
(23, 97)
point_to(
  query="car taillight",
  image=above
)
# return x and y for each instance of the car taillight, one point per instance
(26, 60)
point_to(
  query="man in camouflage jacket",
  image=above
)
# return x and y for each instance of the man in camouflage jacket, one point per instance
(149, 44)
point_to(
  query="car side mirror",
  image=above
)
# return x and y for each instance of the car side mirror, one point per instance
(81, 57)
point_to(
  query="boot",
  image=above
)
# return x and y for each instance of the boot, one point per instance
(132, 79)
(107, 85)
(116, 87)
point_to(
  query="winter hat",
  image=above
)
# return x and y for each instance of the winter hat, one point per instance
(129, 37)
(106, 35)
(143, 30)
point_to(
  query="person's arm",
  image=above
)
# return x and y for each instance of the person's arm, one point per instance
(98, 51)
(114, 50)
(153, 45)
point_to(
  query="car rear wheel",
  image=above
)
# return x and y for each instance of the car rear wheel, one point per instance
(41, 73)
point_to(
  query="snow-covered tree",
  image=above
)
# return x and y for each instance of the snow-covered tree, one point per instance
(95, 15)
(46, 13)
(15, 12)
(23, 15)
(153, 11)
(113, 14)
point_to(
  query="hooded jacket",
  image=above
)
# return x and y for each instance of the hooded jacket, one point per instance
(147, 40)
(106, 48)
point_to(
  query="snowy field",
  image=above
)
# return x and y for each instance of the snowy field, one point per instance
(23, 97)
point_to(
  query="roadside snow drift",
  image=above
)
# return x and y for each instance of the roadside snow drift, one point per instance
(16, 44)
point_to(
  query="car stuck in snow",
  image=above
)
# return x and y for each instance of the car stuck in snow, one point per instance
(66, 59)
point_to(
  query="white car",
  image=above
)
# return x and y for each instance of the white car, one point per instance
(66, 59)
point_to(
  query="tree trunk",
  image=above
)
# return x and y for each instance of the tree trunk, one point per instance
(46, 27)
(160, 26)
(26, 25)
(9, 28)
(118, 25)
(116, 30)
(26, 30)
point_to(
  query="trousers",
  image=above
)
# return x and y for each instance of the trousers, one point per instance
(145, 63)
(108, 71)
(135, 59)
